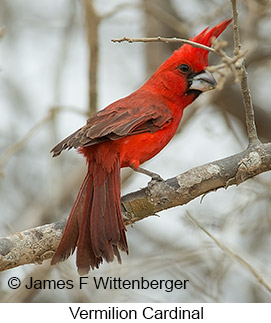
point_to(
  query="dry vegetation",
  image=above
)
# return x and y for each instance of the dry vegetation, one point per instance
(222, 245)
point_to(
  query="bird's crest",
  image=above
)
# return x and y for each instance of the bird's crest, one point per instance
(196, 56)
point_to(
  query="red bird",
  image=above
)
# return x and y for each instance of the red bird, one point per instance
(126, 134)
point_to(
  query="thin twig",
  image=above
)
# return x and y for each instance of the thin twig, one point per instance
(165, 40)
(231, 253)
(19, 144)
(236, 38)
(118, 8)
(247, 101)
(233, 63)
(164, 16)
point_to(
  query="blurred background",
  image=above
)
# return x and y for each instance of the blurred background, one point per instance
(57, 66)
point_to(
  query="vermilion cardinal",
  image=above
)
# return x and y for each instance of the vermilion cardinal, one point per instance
(126, 134)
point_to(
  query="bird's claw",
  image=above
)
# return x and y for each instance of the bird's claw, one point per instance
(155, 177)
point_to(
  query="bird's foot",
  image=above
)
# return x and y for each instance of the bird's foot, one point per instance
(154, 176)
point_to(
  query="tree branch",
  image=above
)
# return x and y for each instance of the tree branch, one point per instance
(247, 100)
(38, 244)
(20, 143)
(92, 20)
(164, 40)
(232, 254)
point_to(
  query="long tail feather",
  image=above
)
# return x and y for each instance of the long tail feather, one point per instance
(107, 228)
(95, 224)
(70, 235)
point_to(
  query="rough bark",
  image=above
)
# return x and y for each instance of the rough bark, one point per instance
(38, 244)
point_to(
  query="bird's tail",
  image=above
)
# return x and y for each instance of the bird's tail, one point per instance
(95, 223)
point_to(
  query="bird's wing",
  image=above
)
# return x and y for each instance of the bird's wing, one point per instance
(115, 123)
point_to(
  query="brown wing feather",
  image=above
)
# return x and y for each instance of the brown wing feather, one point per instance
(113, 124)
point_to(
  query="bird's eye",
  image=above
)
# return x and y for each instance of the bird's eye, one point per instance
(184, 68)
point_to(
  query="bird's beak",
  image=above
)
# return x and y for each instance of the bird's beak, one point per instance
(204, 81)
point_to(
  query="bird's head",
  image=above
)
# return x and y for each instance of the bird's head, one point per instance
(184, 73)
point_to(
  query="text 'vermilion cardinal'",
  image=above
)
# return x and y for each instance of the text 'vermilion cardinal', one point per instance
(126, 134)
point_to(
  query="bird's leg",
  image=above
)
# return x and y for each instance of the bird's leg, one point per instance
(154, 176)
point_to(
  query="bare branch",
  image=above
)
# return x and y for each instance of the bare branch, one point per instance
(118, 8)
(236, 38)
(164, 40)
(37, 244)
(92, 20)
(30, 246)
(249, 111)
(232, 254)
(18, 145)
(11, 150)
(165, 16)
